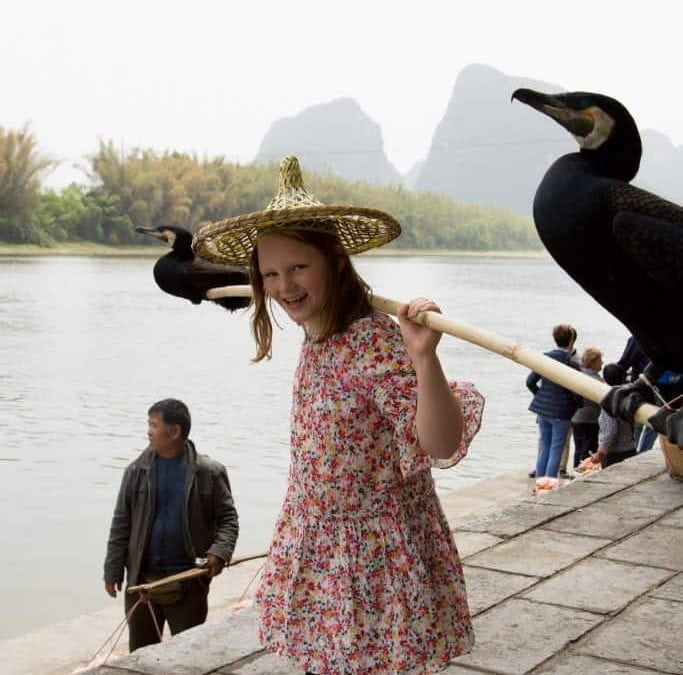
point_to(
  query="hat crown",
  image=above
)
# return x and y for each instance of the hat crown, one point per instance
(290, 174)
(291, 192)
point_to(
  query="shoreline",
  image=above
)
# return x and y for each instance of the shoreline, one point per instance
(90, 249)
(68, 644)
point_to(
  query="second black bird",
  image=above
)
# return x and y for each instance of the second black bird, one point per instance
(183, 274)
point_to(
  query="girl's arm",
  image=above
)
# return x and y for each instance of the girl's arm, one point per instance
(439, 419)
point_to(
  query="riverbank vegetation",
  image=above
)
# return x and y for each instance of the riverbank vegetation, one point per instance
(148, 188)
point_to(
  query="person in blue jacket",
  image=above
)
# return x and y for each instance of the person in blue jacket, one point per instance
(554, 407)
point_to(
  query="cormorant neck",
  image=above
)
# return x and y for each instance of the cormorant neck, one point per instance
(619, 157)
(182, 247)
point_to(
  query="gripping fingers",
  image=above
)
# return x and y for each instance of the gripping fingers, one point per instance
(421, 305)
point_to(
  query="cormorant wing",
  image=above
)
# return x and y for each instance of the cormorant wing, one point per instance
(204, 274)
(654, 244)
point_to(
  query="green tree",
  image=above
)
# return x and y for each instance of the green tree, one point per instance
(20, 167)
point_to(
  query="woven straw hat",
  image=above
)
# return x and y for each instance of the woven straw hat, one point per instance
(232, 240)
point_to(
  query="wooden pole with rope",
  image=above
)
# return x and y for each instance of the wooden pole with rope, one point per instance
(559, 373)
(142, 590)
(190, 574)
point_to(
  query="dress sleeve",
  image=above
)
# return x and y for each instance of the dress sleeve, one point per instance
(472, 406)
(389, 377)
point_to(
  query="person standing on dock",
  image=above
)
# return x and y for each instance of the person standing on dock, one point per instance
(363, 575)
(174, 506)
(554, 407)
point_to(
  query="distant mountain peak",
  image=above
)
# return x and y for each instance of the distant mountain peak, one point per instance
(332, 137)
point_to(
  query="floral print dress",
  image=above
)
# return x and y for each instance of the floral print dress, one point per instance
(363, 575)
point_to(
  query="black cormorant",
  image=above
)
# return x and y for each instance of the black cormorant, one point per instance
(621, 244)
(183, 274)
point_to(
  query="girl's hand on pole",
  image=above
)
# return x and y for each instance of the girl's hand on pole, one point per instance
(419, 340)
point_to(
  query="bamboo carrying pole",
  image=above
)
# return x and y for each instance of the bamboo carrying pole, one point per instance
(181, 576)
(572, 379)
(190, 574)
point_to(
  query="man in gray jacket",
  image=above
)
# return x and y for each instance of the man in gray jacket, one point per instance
(174, 506)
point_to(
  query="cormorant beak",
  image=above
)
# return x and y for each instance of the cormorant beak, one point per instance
(162, 235)
(580, 123)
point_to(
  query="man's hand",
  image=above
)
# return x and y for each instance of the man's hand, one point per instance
(111, 587)
(598, 456)
(214, 564)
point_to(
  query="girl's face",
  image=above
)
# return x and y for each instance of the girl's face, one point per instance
(295, 276)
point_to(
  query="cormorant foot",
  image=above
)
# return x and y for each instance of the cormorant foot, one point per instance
(669, 422)
(623, 400)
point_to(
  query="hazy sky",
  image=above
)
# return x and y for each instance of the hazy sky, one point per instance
(211, 76)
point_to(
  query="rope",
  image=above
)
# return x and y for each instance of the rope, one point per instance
(119, 628)
(145, 598)
(238, 604)
(658, 394)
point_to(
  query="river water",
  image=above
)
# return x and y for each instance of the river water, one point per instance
(87, 344)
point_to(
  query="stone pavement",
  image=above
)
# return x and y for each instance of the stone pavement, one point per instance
(585, 579)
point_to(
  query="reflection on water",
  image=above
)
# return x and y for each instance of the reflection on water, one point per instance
(87, 344)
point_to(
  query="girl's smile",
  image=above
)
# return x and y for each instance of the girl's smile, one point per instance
(295, 276)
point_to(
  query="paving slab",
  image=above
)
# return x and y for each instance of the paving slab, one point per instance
(576, 494)
(199, 650)
(609, 520)
(671, 590)
(580, 664)
(657, 545)
(654, 457)
(508, 636)
(513, 519)
(493, 491)
(469, 543)
(539, 553)
(628, 472)
(598, 586)
(110, 670)
(646, 635)
(486, 588)
(263, 664)
(661, 494)
(674, 519)
(461, 670)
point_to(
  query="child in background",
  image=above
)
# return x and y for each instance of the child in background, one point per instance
(585, 425)
(615, 438)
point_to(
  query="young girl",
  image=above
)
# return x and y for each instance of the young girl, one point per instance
(363, 575)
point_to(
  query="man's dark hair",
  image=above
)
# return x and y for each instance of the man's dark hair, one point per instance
(173, 411)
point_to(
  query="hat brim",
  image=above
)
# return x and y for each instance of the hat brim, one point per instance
(232, 240)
